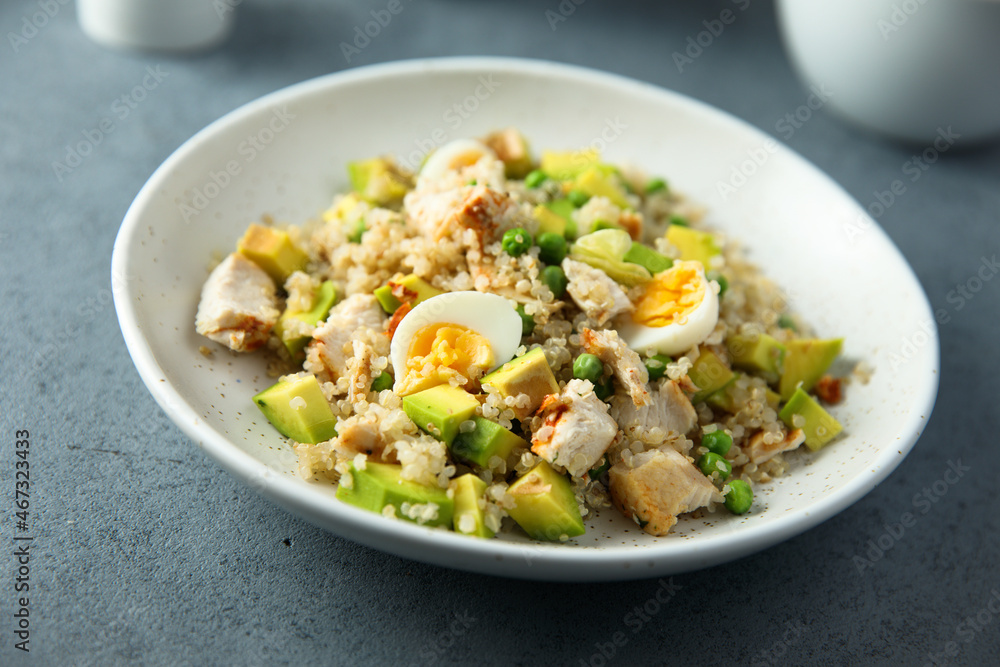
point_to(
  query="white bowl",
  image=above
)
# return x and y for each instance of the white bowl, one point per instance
(285, 155)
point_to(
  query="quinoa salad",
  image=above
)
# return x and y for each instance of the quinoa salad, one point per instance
(507, 341)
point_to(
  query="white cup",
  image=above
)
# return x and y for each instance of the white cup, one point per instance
(904, 68)
(157, 25)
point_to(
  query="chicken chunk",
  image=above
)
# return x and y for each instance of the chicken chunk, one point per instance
(489, 213)
(597, 295)
(327, 351)
(669, 410)
(361, 434)
(625, 363)
(759, 451)
(659, 485)
(239, 305)
(576, 428)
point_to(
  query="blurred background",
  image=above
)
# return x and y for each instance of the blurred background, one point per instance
(148, 553)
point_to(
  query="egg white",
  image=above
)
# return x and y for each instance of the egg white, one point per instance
(678, 337)
(452, 156)
(489, 315)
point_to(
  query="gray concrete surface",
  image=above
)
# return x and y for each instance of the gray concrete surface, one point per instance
(145, 552)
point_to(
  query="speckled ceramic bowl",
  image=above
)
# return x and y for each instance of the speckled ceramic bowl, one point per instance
(284, 155)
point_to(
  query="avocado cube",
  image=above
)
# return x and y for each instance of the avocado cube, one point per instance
(545, 506)
(487, 440)
(528, 374)
(710, 374)
(322, 302)
(343, 208)
(600, 183)
(440, 410)
(757, 353)
(378, 181)
(469, 517)
(647, 258)
(298, 409)
(381, 484)
(693, 245)
(272, 250)
(548, 221)
(820, 427)
(806, 360)
(512, 149)
(564, 209)
(413, 288)
(565, 166)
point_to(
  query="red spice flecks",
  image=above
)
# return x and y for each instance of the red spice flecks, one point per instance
(829, 389)
(397, 317)
(402, 292)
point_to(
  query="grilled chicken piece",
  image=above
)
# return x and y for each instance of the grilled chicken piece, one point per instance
(659, 485)
(759, 451)
(239, 305)
(345, 322)
(625, 363)
(576, 428)
(594, 292)
(669, 409)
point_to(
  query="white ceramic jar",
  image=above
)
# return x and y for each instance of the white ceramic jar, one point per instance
(157, 25)
(904, 68)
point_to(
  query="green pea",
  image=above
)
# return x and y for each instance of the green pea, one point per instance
(515, 242)
(604, 390)
(679, 220)
(578, 198)
(535, 179)
(719, 278)
(712, 462)
(552, 247)
(382, 382)
(786, 322)
(472, 182)
(555, 278)
(357, 228)
(656, 185)
(717, 441)
(740, 497)
(656, 365)
(588, 367)
(527, 321)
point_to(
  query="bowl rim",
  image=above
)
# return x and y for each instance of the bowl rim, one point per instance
(547, 562)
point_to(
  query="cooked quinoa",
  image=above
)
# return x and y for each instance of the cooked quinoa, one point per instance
(446, 226)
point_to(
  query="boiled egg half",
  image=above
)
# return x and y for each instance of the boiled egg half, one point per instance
(454, 156)
(453, 335)
(678, 309)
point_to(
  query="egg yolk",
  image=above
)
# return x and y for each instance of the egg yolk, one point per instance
(440, 352)
(671, 296)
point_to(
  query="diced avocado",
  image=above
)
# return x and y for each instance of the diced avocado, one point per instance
(693, 244)
(272, 250)
(564, 209)
(323, 301)
(710, 374)
(421, 291)
(548, 221)
(378, 181)
(646, 257)
(545, 506)
(512, 149)
(343, 208)
(381, 484)
(469, 518)
(298, 409)
(723, 399)
(565, 166)
(599, 183)
(820, 427)
(805, 362)
(487, 440)
(773, 398)
(528, 374)
(757, 353)
(440, 410)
